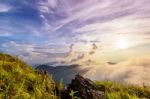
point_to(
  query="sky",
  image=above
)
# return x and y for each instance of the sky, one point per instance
(41, 31)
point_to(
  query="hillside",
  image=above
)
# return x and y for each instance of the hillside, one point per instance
(114, 90)
(19, 81)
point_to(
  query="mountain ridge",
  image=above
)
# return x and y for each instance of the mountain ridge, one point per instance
(64, 72)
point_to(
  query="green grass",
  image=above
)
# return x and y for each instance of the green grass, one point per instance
(114, 90)
(20, 81)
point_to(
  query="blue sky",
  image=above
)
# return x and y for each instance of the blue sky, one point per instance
(43, 30)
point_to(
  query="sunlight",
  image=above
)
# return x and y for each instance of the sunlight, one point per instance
(122, 43)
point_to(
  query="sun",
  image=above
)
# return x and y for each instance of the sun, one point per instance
(122, 43)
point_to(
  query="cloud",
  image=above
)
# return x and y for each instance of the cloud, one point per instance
(135, 70)
(4, 8)
(71, 48)
(78, 58)
(102, 18)
(35, 54)
(40, 31)
(5, 35)
(79, 22)
(94, 47)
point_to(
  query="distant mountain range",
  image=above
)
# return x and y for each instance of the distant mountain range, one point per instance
(66, 73)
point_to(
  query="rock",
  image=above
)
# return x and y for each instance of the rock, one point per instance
(85, 88)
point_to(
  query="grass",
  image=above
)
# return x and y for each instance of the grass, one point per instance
(19, 81)
(114, 90)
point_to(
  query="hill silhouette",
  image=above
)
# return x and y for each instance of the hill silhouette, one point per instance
(65, 73)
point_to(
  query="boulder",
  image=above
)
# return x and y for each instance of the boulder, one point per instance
(84, 88)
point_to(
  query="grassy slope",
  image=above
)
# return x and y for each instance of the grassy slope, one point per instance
(115, 90)
(20, 81)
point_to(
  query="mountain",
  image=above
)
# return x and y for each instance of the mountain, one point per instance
(65, 73)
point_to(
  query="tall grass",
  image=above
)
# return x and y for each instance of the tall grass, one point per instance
(20, 81)
(114, 90)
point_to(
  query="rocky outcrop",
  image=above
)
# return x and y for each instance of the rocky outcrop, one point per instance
(85, 89)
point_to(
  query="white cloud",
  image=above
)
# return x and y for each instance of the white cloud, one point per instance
(5, 34)
(97, 17)
(44, 9)
(36, 54)
(135, 71)
(5, 8)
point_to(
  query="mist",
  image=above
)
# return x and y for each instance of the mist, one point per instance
(134, 71)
